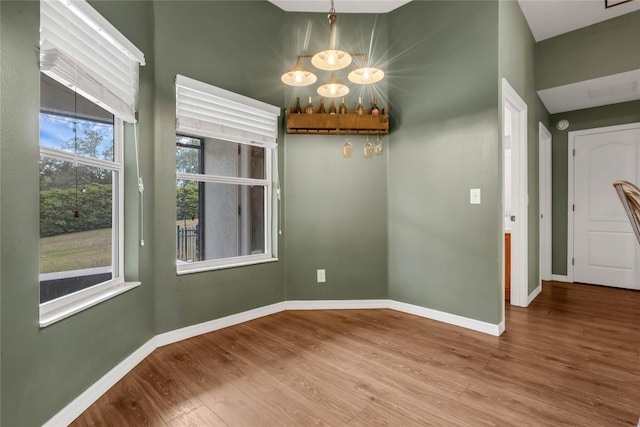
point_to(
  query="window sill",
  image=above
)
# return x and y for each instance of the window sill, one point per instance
(198, 267)
(56, 310)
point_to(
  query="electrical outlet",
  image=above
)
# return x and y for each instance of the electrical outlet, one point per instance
(322, 278)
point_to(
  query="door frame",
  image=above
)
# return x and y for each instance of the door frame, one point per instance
(519, 228)
(570, 182)
(545, 199)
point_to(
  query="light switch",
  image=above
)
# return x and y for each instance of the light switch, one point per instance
(321, 276)
(474, 196)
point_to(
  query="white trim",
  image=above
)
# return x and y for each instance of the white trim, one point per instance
(97, 389)
(571, 178)
(219, 179)
(544, 198)
(61, 308)
(222, 263)
(220, 323)
(65, 306)
(441, 316)
(570, 200)
(337, 304)
(534, 294)
(519, 228)
(78, 405)
(560, 278)
(56, 275)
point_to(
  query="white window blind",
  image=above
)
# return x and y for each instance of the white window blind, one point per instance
(208, 111)
(82, 50)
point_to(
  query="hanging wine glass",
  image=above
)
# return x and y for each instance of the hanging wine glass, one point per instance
(367, 149)
(347, 148)
(377, 146)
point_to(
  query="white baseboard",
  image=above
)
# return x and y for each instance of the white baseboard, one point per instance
(559, 278)
(501, 328)
(336, 304)
(220, 323)
(90, 395)
(441, 316)
(534, 294)
(100, 387)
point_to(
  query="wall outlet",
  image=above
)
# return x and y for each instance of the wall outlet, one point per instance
(322, 277)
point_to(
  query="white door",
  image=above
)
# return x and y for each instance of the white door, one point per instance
(605, 248)
(515, 108)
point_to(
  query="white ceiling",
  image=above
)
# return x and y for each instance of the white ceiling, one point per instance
(546, 19)
(592, 93)
(549, 18)
(342, 6)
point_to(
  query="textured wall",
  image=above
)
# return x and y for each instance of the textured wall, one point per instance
(44, 369)
(443, 252)
(517, 65)
(336, 208)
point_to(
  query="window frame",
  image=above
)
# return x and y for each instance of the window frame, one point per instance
(67, 305)
(243, 260)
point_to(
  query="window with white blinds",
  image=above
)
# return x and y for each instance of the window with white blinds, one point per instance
(80, 49)
(227, 193)
(206, 110)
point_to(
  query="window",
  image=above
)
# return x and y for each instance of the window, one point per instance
(80, 193)
(225, 163)
(89, 84)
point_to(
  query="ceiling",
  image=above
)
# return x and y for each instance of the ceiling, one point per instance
(549, 18)
(342, 6)
(546, 19)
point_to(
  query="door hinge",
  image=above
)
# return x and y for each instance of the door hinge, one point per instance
(573, 208)
(574, 152)
(573, 261)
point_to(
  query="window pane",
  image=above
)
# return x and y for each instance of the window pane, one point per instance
(76, 211)
(218, 221)
(225, 158)
(72, 123)
(188, 155)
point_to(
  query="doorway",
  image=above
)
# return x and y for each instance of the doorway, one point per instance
(515, 195)
(602, 246)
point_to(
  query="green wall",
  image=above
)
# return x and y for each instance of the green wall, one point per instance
(517, 64)
(336, 208)
(443, 252)
(214, 42)
(602, 49)
(609, 115)
(605, 48)
(399, 225)
(44, 369)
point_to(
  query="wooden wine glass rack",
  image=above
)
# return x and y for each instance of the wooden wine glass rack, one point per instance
(337, 124)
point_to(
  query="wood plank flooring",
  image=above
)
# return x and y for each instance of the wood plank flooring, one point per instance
(571, 358)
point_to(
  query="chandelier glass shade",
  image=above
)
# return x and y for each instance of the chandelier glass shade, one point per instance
(298, 75)
(332, 60)
(366, 75)
(333, 88)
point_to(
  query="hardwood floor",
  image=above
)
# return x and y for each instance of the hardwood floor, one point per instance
(571, 358)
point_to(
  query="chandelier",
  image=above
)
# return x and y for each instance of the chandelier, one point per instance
(332, 60)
